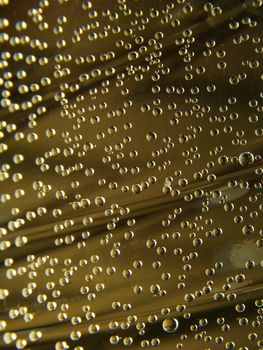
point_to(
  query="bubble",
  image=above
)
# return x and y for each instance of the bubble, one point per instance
(136, 188)
(4, 293)
(133, 116)
(158, 110)
(94, 328)
(127, 341)
(170, 325)
(100, 201)
(114, 339)
(133, 55)
(246, 159)
(248, 230)
(240, 307)
(151, 136)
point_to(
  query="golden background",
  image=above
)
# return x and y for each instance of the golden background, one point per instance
(131, 174)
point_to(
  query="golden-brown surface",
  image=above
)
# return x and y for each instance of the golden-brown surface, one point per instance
(131, 174)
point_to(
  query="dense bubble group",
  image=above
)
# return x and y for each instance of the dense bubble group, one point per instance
(131, 174)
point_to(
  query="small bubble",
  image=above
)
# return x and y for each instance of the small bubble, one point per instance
(170, 325)
(246, 159)
(151, 136)
(100, 201)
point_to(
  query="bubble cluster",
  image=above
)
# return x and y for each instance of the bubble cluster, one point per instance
(131, 174)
